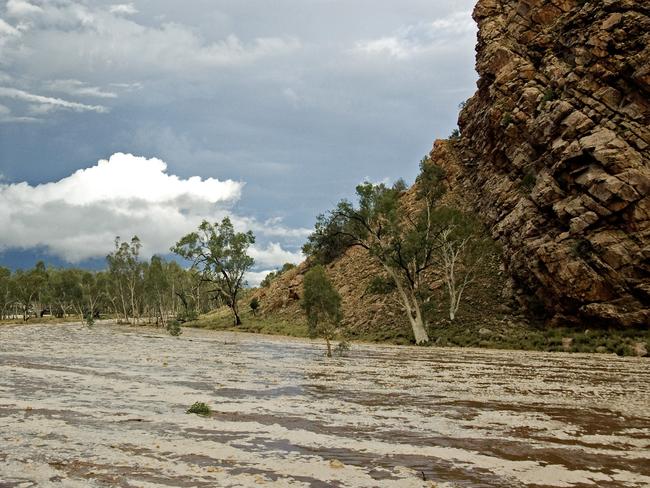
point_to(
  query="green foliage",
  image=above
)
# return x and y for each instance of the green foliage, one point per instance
(187, 316)
(549, 95)
(506, 120)
(127, 275)
(90, 319)
(174, 328)
(400, 185)
(269, 278)
(581, 248)
(28, 288)
(523, 337)
(528, 181)
(273, 324)
(430, 183)
(200, 408)
(219, 255)
(402, 242)
(322, 305)
(455, 134)
(254, 305)
(380, 285)
(462, 254)
(130, 289)
(329, 239)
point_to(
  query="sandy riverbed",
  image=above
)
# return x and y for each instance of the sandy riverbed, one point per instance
(106, 406)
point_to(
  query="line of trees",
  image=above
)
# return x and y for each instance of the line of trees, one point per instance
(134, 290)
(130, 290)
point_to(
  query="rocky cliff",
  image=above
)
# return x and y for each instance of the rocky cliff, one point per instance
(554, 155)
(555, 141)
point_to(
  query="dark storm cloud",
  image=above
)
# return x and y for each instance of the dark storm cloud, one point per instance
(299, 99)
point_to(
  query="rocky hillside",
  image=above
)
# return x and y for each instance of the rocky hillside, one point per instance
(554, 156)
(556, 138)
(372, 316)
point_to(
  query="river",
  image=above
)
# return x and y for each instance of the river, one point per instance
(105, 406)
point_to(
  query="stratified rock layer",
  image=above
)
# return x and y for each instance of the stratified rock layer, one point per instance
(555, 144)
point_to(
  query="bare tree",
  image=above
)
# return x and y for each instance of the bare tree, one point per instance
(461, 254)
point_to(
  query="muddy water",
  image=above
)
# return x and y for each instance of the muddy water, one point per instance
(106, 407)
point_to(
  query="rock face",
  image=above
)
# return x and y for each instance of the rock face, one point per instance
(555, 144)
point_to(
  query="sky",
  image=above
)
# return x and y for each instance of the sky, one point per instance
(149, 116)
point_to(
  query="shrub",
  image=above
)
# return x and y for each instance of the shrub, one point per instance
(549, 95)
(200, 408)
(581, 248)
(254, 305)
(380, 285)
(90, 320)
(187, 316)
(174, 328)
(528, 181)
(342, 349)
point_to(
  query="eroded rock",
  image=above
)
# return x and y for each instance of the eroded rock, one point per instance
(563, 101)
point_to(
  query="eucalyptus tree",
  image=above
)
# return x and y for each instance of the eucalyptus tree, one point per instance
(182, 284)
(402, 240)
(322, 305)
(40, 278)
(157, 285)
(65, 290)
(462, 255)
(6, 298)
(127, 273)
(92, 292)
(27, 287)
(219, 255)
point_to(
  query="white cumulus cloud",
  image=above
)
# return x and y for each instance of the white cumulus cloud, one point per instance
(78, 217)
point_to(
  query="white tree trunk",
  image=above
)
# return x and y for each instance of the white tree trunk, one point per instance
(412, 309)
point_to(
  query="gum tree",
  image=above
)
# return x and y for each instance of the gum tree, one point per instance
(219, 255)
(322, 304)
(126, 272)
(403, 241)
(6, 298)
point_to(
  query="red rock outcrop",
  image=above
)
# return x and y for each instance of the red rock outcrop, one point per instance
(555, 143)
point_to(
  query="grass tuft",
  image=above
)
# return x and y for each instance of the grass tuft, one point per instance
(200, 408)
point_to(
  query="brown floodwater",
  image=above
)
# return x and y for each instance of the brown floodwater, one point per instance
(106, 406)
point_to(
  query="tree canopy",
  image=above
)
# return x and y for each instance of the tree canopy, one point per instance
(219, 255)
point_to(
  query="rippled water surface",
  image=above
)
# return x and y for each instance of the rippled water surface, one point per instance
(106, 406)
